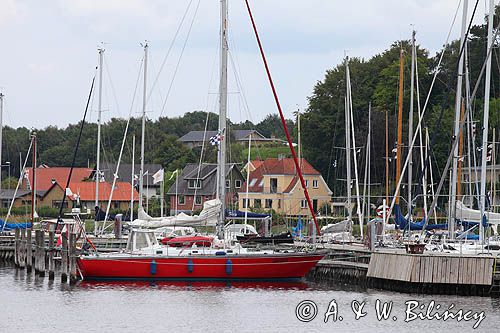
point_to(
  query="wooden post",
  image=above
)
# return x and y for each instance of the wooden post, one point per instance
(51, 255)
(29, 250)
(64, 258)
(41, 254)
(73, 277)
(16, 247)
(37, 251)
(22, 261)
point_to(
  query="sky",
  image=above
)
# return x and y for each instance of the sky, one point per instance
(49, 52)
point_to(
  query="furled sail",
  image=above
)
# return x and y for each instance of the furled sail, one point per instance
(466, 214)
(208, 217)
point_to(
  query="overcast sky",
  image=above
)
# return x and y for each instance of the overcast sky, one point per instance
(49, 52)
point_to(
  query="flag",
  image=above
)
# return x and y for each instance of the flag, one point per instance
(173, 174)
(461, 158)
(158, 176)
(216, 139)
(68, 192)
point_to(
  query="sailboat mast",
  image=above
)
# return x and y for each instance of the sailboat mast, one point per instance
(399, 154)
(486, 114)
(143, 130)
(33, 186)
(222, 118)
(348, 144)
(386, 157)
(98, 159)
(410, 124)
(458, 105)
(132, 181)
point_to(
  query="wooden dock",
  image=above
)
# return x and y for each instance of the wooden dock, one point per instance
(432, 273)
(37, 250)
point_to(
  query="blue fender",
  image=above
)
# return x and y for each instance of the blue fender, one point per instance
(152, 267)
(229, 267)
(190, 266)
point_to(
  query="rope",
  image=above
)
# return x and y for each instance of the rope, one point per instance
(283, 121)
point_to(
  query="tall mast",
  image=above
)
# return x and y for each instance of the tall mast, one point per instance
(486, 115)
(98, 159)
(33, 186)
(132, 179)
(348, 144)
(1, 136)
(222, 117)
(386, 157)
(458, 105)
(143, 131)
(399, 154)
(410, 124)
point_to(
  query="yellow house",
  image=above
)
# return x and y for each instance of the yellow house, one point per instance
(275, 184)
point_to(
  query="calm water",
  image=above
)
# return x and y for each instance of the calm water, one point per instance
(32, 304)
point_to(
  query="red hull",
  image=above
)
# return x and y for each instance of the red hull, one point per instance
(278, 266)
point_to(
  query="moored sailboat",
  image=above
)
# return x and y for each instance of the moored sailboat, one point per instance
(144, 258)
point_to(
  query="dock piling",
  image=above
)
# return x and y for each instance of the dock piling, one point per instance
(51, 255)
(64, 258)
(29, 250)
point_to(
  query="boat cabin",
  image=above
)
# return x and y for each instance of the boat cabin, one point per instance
(141, 239)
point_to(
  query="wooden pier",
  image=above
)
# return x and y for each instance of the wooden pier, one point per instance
(395, 270)
(36, 250)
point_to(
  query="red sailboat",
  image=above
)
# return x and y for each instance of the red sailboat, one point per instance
(144, 258)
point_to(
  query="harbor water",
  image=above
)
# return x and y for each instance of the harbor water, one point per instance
(29, 303)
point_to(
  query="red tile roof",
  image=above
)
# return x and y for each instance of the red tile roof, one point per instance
(286, 166)
(86, 191)
(275, 166)
(46, 175)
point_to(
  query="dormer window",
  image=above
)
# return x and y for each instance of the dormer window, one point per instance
(194, 183)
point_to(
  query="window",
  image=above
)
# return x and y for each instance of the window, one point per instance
(228, 184)
(279, 203)
(303, 204)
(197, 200)
(315, 205)
(273, 185)
(253, 181)
(116, 205)
(257, 203)
(307, 183)
(246, 203)
(237, 183)
(269, 203)
(194, 183)
(181, 200)
(261, 183)
(315, 183)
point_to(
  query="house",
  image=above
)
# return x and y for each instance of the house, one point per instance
(196, 138)
(125, 175)
(46, 176)
(82, 194)
(275, 184)
(198, 183)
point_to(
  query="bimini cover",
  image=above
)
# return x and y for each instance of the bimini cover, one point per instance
(466, 214)
(208, 217)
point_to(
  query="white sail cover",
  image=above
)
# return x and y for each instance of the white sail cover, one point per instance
(208, 217)
(465, 213)
(335, 227)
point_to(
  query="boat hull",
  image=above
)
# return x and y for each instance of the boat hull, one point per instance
(267, 267)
